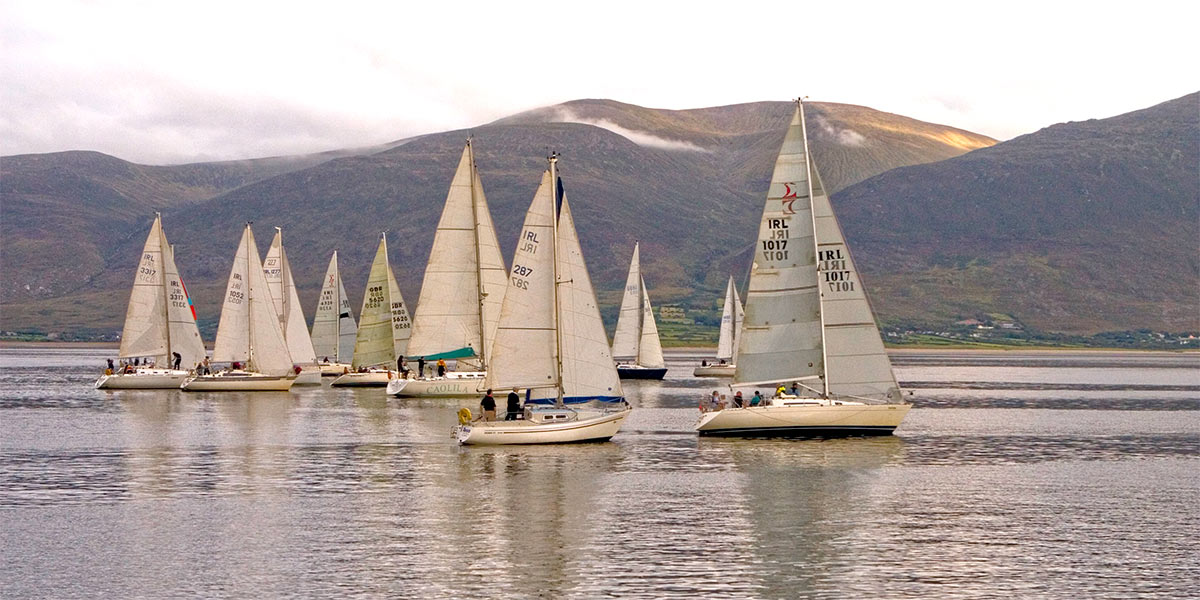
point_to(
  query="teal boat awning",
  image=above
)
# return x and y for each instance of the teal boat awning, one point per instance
(467, 352)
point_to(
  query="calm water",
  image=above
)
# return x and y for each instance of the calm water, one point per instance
(1019, 475)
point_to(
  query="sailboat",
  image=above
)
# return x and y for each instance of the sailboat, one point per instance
(550, 340)
(808, 321)
(383, 327)
(248, 336)
(732, 316)
(159, 322)
(636, 337)
(333, 329)
(291, 315)
(461, 295)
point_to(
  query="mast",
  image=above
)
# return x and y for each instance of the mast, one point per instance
(249, 309)
(483, 350)
(162, 277)
(816, 250)
(337, 311)
(554, 249)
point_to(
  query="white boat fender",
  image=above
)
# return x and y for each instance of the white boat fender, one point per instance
(464, 416)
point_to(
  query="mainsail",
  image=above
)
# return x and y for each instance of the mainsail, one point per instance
(249, 329)
(465, 278)
(287, 302)
(732, 316)
(159, 320)
(334, 329)
(782, 338)
(636, 336)
(383, 327)
(550, 338)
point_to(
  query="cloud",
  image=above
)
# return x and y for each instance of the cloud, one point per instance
(840, 135)
(641, 138)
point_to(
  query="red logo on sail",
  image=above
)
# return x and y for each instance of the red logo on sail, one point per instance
(789, 196)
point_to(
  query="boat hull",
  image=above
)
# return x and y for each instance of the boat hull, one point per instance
(240, 382)
(810, 420)
(453, 385)
(368, 379)
(309, 375)
(600, 428)
(143, 379)
(637, 372)
(714, 371)
(334, 369)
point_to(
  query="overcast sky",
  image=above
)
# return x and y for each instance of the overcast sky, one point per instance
(161, 82)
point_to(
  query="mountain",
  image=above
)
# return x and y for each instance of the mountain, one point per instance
(1079, 228)
(688, 184)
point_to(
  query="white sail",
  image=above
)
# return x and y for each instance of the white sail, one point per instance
(465, 278)
(334, 329)
(159, 319)
(739, 319)
(184, 336)
(782, 338)
(249, 329)
(856, 362)
(650, 353)
(725, 341)
(629, 320)
(524, 353)
(383, 325)
(287, 302)
(588, 372)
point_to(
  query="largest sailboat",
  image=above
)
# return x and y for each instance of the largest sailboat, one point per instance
(550, 340)
(808, 321)
(159, 322)
(461, 294)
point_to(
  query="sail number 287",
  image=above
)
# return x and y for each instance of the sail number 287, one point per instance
(519, 272)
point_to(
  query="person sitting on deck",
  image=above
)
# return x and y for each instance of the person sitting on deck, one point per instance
(757, 399)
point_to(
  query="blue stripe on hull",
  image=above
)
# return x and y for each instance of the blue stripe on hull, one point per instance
(801, 432)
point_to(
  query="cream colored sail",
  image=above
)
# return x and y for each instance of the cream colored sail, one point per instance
(650, 353)
(525, 353)
(383, 326)
(334, 329)
(588, 372)
(465, 278)
(629, 320)
(781, 338)
(249, 330)
(287, 302)
(159, 320)
(856, 362)
(725, 341)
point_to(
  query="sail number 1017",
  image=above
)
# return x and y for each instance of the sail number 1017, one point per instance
(775, 246)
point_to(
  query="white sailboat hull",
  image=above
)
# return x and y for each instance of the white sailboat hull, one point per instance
(143, 379)
(715, 371)
(336, 369)
(238, 381)
(590, 426)
(309, 375)
(806, 419)
(368, 379)
(454, 385)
